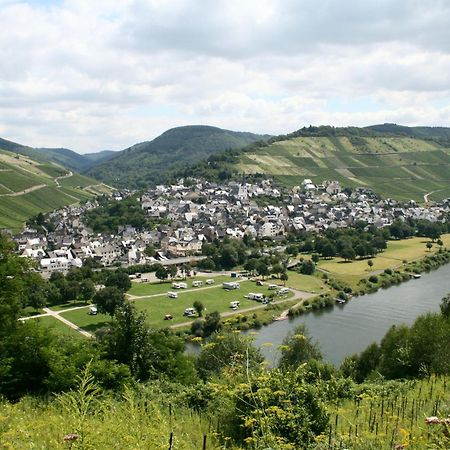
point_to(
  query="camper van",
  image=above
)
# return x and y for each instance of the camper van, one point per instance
(172, 295)
(283, 291)
(189, 312)
(92, 311)
(256, 296)
(179, 285)
(235, 305)
(271, 287)
(231, 285)
(197, 283)
(210, 281)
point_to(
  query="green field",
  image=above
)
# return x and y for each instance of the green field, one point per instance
(305, 282)
(213, 299)
(396, 252)
(398, 167)
(28, 187)
(58, 327)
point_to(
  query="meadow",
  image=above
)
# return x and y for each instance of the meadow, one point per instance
(396, 253)
(157, 304)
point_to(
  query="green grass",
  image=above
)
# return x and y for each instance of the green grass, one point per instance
(396, 252)
(302, 282)
(400, 168)
(58, 327)
(213, 299)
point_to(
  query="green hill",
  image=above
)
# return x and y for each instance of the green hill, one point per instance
(389, 162)
(150, 162)
(65, 157)
(28, 187)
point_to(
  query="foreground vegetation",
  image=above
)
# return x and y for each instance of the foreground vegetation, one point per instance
(134, 386)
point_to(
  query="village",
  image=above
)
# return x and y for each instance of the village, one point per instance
(189, 214)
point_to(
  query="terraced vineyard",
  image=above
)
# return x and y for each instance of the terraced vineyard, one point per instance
(28, 187)
(398, 167)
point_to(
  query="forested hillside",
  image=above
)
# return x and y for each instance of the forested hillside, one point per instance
(151, 162)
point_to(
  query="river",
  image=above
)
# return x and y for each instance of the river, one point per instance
(348, 329)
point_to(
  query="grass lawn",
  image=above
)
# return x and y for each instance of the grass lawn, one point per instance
(58, 326)
(213, 299)
(305, 282)
(393, 256)
(141, 289)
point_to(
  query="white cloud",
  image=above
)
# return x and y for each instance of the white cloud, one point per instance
(92, 75)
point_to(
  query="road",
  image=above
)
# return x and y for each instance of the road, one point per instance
(298, 295)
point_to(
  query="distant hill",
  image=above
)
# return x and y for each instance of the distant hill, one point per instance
(439, 133)
(398, 162)
(65, 157)
(151, 162)
(28, 186)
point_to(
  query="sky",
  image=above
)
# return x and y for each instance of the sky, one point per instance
(93, 75)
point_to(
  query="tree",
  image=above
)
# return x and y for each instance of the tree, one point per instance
(262, 268)
(172, 270)
(284, 277)
(149, 250)
(429, 246)
(198, 306)
(445, 306)
(150, 354)
(348, 254)
(370, 264)
(277, 269)
(328, 250)
(229, 350)
(119, 279)
(212, 323)
(315, 258)
(297, 348)
(161, 273)
(87, 290)
(109, 299)
(307, 267)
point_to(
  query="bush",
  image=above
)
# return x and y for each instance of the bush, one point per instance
(373, 279)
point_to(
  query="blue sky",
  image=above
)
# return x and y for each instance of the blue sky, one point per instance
(90, 75)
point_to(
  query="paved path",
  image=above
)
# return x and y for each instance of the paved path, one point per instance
(67, 322)
(67, 175)
(56, 315)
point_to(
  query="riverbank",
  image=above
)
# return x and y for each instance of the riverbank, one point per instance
(348, 329)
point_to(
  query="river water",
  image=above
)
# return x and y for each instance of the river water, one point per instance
(348, 329)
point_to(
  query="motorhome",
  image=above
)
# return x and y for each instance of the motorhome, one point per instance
(172, 294)
(92, 311)
(256, 296)
(229, 285)
(197, 283)
(235, 305)
(179, 285)
(189, 312)
(283, 291)
(271, 287)
(210, 281)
